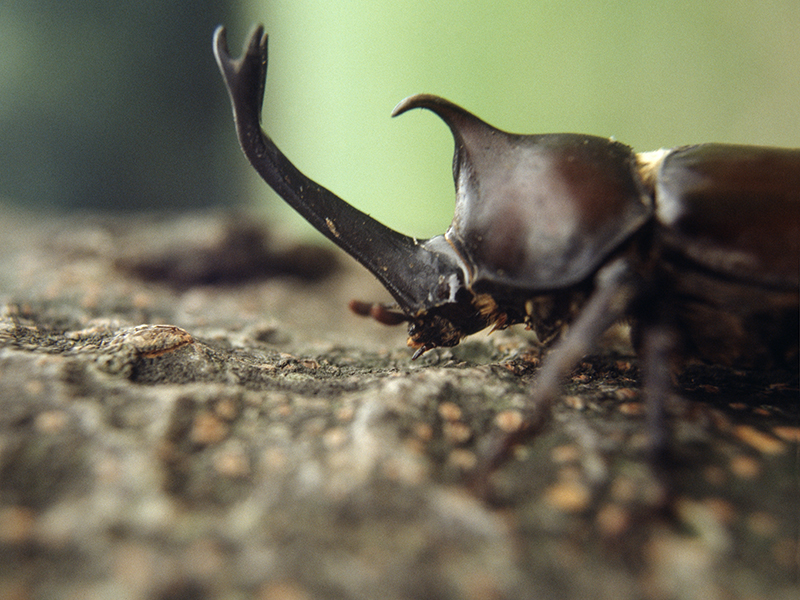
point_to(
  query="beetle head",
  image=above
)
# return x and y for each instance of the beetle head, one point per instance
(425, 277)
(534, 216)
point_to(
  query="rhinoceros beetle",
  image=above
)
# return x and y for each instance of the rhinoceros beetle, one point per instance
(698, 246)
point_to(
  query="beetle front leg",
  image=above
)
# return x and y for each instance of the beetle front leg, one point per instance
(616, 288)
(608, 304)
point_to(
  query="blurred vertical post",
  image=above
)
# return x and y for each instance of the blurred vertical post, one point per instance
(109, 105)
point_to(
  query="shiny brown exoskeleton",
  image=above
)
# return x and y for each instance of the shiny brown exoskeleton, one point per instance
(699, 246)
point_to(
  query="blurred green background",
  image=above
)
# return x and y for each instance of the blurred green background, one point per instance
(120, 106)
(111, 105)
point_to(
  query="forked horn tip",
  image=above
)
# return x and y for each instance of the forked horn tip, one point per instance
(257, 41)
(221, 43)
(256, 44)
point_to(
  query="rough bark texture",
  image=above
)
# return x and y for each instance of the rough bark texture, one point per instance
(187, 411)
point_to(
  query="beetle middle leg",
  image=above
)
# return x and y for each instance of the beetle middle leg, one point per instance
(658, 343)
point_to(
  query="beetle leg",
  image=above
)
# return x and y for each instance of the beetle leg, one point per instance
(658, 345)
(616, 287)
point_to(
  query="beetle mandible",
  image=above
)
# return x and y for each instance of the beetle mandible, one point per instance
(698, 246)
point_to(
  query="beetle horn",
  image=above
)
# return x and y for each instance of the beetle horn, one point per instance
(456, 117)
(472, 135)
(409, 269)
(482, 151)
